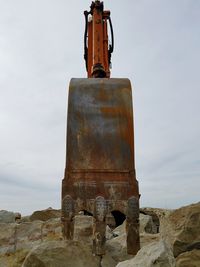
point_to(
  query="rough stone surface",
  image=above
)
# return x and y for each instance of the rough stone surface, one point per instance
(83, 228)
(13, 259)
(189, 259)
(120, 230)
(181, 229)
(157, 254)
(7, 238)
(52, 230)
(146, 239)
(62, 254)
(110, 221)
(28, 235)
(25, 219)
(24, 236)
(108, 261)
(109, 233)
(44, 215)
(9, 216)
(156, 213)
(147, 225)
(117, 246)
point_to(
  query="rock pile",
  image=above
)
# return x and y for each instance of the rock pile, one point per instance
(168, 238)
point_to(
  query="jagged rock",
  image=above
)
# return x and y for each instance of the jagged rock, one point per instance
(109, 233)
(44, 215)
(157, 254)
(9, 256)
(110, 220)
(83, 228)
(28, 235)
(146, 239)
(9, 216)
(189, 259)
(16, 240)
(181, 228)
(156, 213)
(108, 261)
(62, 254)
(7, 238)
(25, 219)
(52, 230)
(13, 259)
(24, 236)
(117, 248)
(147, 225)
(33, 233)
(120, 230)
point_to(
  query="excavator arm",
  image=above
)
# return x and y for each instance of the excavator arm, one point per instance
(97, 50)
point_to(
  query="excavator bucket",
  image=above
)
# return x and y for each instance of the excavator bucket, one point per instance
(100, 171)
(100, 174)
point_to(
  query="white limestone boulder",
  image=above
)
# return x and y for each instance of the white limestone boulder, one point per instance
(64, 254)
(9, 216)
(157, 254)
(181, 229)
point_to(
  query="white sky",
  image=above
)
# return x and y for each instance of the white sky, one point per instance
(157, 46)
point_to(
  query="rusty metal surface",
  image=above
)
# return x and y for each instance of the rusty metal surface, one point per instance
(100, 144)
(100, 171)
(100, 125)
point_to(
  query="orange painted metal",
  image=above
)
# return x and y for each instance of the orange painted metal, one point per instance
(90, 49)
(98, 58)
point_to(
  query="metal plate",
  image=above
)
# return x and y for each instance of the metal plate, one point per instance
(100, 125)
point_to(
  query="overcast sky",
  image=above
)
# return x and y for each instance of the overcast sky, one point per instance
(157, 46)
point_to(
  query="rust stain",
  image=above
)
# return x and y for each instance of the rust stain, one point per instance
(97, 137)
